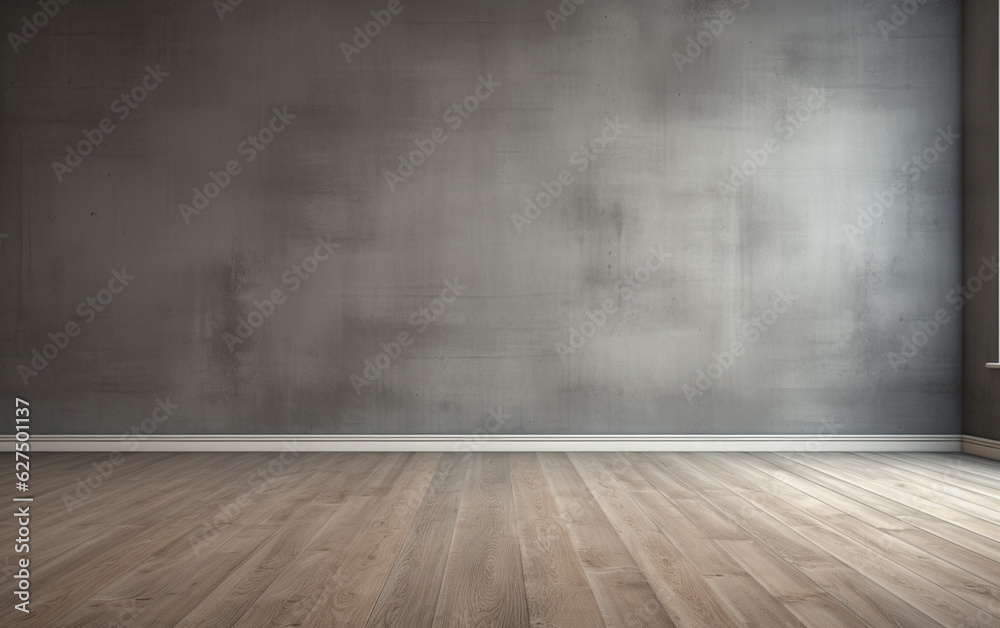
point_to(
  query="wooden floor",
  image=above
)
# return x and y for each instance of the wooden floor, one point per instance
(252, 540)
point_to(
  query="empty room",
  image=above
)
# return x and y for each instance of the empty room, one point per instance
(523, 313)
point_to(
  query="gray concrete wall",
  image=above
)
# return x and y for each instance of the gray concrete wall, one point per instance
(982, 387)
(773, 304)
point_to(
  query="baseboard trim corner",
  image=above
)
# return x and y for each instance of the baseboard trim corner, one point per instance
(984, 447)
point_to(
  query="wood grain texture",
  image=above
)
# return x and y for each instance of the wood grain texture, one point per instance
(944, 591)
(512, 540)
(747, 598)
(142, 530)
(682, 590)
(900, 515)
(233, 597)
(371, 554)
(875, 605)
(410, 593)
(308, 583)
(483, 581)
(623, 594)
(555, 583)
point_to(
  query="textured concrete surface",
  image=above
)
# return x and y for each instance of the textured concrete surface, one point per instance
(981, 387)
(647, 217)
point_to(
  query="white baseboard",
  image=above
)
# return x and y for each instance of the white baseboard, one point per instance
(981, 447)
(495, 442)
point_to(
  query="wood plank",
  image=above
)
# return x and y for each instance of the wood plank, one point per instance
(964, 466)
(973, 502)
(872, 602)
(803, 597)
(939, 474)
(370, 557)
(984, 527)
(49, 483)
(684, 592)
(59, 509)
(78, 572)
(744, 596)
(310, 580)
(978, 465)
(623, 595)
(932, 591)
(230, 599)
(483, 580)
(913, 556)
(555, 584)
(937, 544)
(248, 590)
(274, 507)
(162, 490)
(711, 523)
(796, 590)
(410, 593)
(961, 536)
